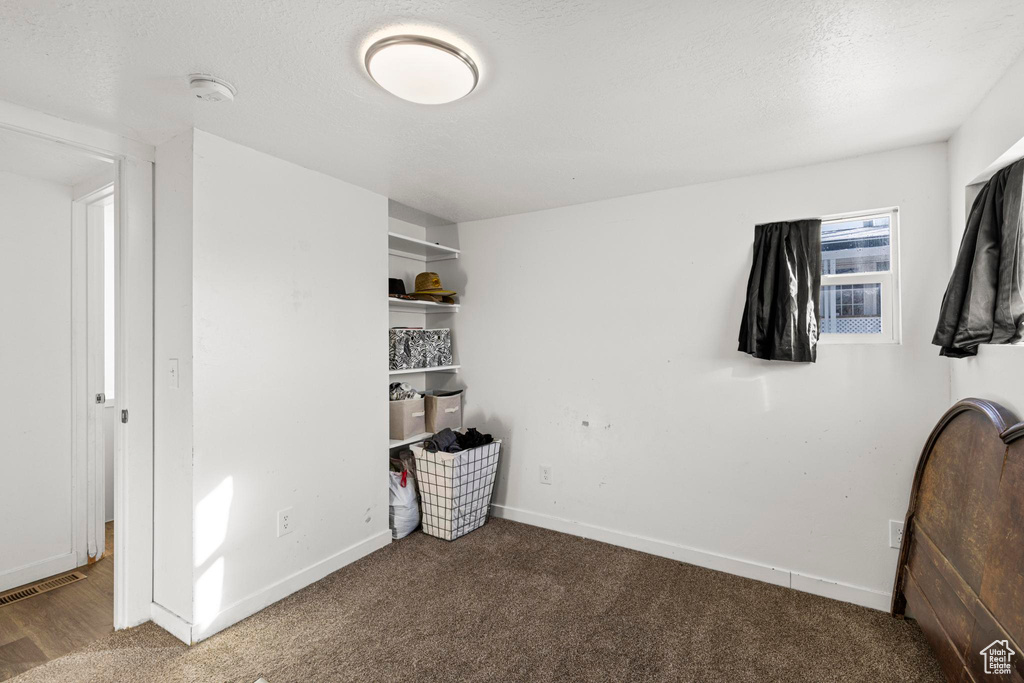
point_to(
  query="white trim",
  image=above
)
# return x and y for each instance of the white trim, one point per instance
(79, 384)
(265, 597)
(88, 531)
(651, 546)
(133, 448)
(848, 215)
(171, 622)
(96, 187)
(892, 324)
(701, 558)
(34, 571)
(88, 461)
(95, 451)
(844, 592)
(843, 216)
(133, 442)
(103, 144)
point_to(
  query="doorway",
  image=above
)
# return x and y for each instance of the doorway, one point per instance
(59, 278)
(94, 269)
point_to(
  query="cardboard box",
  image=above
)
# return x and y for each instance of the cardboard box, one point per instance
(408, 418)
(444, 410)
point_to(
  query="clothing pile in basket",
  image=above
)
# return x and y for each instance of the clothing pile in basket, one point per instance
(454, 442)
(458, 477)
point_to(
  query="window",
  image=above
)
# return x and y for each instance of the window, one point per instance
(859, 279)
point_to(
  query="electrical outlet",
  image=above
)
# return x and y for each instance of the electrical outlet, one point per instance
(285, 522)
(895, 533)
(545, 474)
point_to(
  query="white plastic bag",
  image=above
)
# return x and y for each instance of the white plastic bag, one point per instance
(404, 514)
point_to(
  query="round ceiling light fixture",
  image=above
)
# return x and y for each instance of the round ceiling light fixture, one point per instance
(421, 69)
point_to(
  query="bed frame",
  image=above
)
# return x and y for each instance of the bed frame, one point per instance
(961, 563)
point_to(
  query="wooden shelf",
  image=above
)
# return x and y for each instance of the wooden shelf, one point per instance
(395, 443)
(413, 371)
(410, 247)
(416, 306)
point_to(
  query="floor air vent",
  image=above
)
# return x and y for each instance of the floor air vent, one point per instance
(39, 588)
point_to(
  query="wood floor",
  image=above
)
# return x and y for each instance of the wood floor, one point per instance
(49, 625)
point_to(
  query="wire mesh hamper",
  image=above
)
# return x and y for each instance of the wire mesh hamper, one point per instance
(455, 489)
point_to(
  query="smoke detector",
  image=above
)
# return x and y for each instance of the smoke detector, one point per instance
(210, 88)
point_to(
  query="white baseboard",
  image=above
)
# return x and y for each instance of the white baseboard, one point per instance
(843, 592)
(702, 558)
(34, 571)
(193, 633)
(263, 598)
(171, 622)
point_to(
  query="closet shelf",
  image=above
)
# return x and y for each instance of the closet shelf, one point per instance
(395, 443)
(412, 371)
(421, 250)
(414, 306)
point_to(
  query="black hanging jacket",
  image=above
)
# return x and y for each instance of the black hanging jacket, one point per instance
(984, 303)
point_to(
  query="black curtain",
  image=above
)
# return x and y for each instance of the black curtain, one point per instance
(983, 302)
(780, 317)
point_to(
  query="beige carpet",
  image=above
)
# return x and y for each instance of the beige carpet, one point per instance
(515, 603)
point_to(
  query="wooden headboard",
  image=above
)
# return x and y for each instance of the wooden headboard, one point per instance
(961, 565)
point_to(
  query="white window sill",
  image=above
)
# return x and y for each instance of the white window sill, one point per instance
(858, 339)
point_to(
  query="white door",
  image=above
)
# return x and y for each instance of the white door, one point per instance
(99, 233)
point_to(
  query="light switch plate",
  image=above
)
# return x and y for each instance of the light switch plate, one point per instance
(172, 373)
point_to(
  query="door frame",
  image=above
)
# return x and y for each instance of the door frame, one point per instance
(133, 295)
(88, 456)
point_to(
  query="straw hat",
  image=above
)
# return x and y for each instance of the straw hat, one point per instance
(430, 283)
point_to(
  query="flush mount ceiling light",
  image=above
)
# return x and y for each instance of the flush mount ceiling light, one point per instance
(421, 69)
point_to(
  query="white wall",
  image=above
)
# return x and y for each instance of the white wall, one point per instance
(994, 127)
(624, 314)
(35, 374)
(289, 381)
(172, 406)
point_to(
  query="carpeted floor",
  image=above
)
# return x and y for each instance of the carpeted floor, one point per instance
(515, 603)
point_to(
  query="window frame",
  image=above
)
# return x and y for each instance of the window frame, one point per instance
(889, 281)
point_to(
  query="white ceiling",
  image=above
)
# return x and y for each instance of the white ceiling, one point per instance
(50, 161)
(579, 100)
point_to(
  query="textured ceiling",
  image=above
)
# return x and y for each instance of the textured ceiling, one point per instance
(50, 161)
(578, 100)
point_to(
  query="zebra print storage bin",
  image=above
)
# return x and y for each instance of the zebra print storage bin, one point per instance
(411, 349)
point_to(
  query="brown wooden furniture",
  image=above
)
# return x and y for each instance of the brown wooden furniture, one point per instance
(961, 564)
